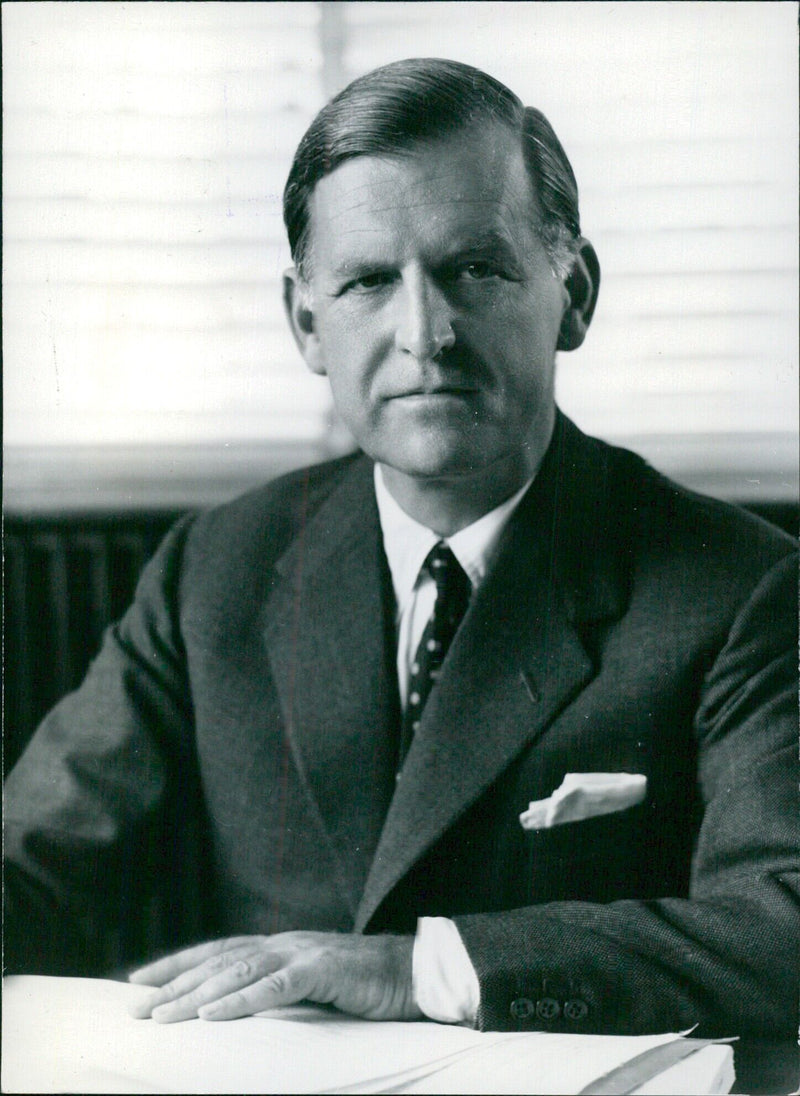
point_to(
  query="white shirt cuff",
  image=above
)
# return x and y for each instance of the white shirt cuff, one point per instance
(444, 981)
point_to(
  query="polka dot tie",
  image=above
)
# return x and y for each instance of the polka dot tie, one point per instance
(452, 597)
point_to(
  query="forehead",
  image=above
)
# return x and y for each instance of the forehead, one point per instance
(466, 184)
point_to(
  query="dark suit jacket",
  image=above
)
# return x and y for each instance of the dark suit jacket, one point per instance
(238, 734)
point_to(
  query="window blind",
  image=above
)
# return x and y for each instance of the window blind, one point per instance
(145, 152)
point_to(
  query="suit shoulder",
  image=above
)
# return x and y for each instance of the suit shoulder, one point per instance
(667, 518)
(265, 519)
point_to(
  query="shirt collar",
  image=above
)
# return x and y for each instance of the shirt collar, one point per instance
(407, 543)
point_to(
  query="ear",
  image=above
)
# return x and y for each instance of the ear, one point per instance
(583, 285)
(298, 304)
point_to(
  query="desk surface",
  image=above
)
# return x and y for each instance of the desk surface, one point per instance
(66, 1034)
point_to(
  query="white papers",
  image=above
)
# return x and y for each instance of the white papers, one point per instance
(559, 1063)
(710, 1071)
(75, 1035)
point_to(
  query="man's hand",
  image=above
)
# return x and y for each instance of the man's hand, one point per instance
(368, 976)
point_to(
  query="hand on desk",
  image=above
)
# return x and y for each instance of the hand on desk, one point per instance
(368, 976)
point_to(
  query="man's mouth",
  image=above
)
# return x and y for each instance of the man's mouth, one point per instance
(434, 391)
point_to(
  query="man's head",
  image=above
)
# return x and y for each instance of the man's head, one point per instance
(408, 103)
(439, 265)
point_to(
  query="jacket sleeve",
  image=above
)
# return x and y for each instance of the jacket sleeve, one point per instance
(725, 957)
(91, 806)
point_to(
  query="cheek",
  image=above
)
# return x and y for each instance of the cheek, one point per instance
(346, 394)
(349, 376)
(520, 344)
(349, 341)
(525, 315)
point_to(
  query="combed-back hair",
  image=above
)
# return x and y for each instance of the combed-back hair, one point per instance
(393, 108)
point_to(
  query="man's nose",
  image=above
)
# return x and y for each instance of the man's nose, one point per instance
(425, 322)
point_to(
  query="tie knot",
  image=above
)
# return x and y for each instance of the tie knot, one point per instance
(448, 574)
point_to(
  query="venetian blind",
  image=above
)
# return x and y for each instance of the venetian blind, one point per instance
(146, 146)
(145, 151)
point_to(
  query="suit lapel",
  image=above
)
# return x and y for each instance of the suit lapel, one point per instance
(327, 623)
(515, 663)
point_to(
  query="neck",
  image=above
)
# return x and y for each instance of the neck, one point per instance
(448, 504)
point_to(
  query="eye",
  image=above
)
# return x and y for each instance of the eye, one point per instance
(375, 279)
(478, 270)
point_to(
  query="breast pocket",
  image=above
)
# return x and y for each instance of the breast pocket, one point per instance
(593, 860)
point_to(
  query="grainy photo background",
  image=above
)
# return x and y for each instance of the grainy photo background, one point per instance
(147, 360)
(148, 367)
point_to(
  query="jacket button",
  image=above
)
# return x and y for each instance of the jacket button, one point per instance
(522, 1008)
(547, 1008)
(575, 1009)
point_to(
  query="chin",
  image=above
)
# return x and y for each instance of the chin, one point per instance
(428, 462)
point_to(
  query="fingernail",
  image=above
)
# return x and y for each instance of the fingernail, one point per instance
(209, 1012)
(142, 1009)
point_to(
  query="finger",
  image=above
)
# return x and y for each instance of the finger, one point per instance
(240, 974)
(285, 986)
(181, 987)
(162, 970)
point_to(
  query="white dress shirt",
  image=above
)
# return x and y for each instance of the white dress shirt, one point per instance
(444, 981)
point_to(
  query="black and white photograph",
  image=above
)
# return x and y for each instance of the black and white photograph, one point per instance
(400, 495)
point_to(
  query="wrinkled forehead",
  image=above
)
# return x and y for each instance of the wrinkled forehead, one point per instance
(457, 183)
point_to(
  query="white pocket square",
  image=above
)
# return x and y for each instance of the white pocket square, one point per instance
(585, 795)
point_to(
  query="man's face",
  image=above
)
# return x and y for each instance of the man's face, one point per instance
(433, 309)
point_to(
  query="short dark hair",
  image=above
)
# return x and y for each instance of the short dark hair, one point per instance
(398, 106)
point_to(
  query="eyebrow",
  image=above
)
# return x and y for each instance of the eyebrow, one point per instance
(484, 243)
(490, 242)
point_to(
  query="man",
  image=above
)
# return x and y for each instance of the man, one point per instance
(343, 705)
